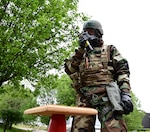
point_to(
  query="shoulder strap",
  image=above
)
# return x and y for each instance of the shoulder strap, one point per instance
(107, 49)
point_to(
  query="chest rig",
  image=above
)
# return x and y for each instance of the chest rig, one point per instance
(94, 69)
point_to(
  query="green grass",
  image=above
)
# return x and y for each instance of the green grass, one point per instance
(12, 130)
(19, 126)
(140, 130)
(16, 129)
(143, 130)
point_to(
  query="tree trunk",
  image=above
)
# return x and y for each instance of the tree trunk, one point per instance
(5, 127)
(10, 125)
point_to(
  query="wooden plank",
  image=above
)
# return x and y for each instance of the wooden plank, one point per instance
(48, 110)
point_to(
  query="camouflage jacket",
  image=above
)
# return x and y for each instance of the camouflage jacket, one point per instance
(103, 65)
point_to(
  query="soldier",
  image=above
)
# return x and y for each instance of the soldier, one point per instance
(100, 76)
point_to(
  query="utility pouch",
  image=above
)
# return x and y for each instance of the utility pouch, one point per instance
(113, 93)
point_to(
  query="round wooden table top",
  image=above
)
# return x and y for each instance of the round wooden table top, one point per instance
(48, 110)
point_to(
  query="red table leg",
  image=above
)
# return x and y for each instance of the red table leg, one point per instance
(57, 123)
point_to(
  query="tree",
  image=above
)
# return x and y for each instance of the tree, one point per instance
(66, 94)
(47, 89)
(35, 36)
(55, 90)
(47, 93)
(13, 102)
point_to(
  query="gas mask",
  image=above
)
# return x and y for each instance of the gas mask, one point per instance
(88, 41)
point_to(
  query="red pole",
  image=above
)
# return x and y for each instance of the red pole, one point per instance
(57, 123)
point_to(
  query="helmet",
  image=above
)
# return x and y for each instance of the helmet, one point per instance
(93, 24)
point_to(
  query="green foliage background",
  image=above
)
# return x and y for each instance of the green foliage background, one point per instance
(36, 36)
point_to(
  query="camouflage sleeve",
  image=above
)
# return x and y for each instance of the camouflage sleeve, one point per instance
(72, 64)
(121, 69)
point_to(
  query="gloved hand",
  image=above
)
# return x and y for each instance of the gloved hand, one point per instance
(84, 40)
(126, 102)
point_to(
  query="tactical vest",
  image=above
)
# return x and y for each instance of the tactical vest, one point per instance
(94, 69)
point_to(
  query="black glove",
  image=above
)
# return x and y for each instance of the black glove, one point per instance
(85, 39)
(126, 102)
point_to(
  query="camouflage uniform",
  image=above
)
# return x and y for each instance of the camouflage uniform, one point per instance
(100, 76)
(91, 73)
